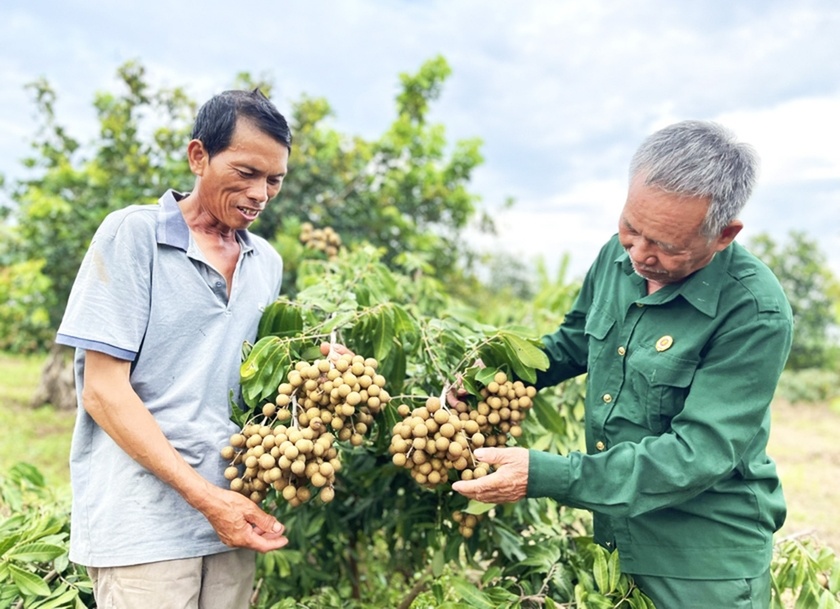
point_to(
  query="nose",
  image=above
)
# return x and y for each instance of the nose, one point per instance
(641, 253)
(258, 191)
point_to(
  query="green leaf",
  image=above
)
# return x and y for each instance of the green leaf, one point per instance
(28, 583)
(70, 595)
(827, 600)
(383, 332)
(470, 594)
(548, 415)
(615, 570)
(490, 575)
(526, 351)
(485, 375)
(26, 471)
(9, 541)
(36, 552)
(601, 570)
(438, 562)
(477, 507)
(251, 366)
(339, 320)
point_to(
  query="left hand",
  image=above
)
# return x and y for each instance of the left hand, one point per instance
(507, 484)
(333, 351)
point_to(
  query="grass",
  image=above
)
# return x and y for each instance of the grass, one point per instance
(40, 436)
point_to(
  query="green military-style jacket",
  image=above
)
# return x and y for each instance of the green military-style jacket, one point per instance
(679, 384)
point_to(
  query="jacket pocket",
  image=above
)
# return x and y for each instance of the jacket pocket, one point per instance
(663, 383)
(597, 328)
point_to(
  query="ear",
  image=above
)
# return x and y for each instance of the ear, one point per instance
(197, 157)
(728, 234)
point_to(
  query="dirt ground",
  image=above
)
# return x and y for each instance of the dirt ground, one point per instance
(804, 444)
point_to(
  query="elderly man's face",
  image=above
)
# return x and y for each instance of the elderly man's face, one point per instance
(661, 233)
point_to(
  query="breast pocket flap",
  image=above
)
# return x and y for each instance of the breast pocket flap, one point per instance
(598, 324)
(674, 373)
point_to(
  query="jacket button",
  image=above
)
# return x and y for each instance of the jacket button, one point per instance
(600, 445)
(607, 398)
(622, 351)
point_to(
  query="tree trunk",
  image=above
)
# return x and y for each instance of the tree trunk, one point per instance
(57, 385)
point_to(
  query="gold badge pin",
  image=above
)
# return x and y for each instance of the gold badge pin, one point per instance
(664, 343)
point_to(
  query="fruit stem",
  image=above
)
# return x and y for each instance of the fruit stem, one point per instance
(294, 412)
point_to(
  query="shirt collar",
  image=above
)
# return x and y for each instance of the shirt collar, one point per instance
(701, 289)
(172, 229)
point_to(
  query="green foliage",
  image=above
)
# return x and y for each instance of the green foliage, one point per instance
(24, 317)
(56, 212)
(529, 553)
(35, 571)
(814, 294)
(806, 574)
(809, 385)
(406, 192)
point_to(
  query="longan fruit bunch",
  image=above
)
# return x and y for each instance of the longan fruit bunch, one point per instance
(325, 239)
(467, 523)
(288, 459)
(292, 450)
(434, 439)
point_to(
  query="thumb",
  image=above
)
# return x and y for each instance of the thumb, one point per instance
(265, 521)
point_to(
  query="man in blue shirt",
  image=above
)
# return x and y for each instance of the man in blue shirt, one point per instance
(162, 303)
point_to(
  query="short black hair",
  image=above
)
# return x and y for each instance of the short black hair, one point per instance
(216, 119)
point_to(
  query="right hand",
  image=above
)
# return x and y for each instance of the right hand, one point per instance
(240, 523)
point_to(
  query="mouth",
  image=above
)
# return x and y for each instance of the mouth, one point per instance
(249, 212)
(647, 272)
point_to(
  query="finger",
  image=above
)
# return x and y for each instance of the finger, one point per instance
(265, 544)
(469, 488)
(493, 456)
(264, 522)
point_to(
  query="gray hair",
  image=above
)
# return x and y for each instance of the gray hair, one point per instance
(701, 159)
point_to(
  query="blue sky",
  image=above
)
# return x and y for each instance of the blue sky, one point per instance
(560, 91)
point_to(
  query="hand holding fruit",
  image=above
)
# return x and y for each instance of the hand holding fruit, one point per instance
(239, 523)
(509, 481)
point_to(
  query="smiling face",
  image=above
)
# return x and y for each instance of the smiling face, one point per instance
(661, 232)
(236, 184)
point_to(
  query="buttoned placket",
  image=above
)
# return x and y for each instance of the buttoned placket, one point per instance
(611, 389)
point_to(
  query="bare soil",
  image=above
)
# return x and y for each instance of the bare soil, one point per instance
(804, 444)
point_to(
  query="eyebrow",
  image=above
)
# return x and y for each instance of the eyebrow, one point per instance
(246, 167)
(661, 244)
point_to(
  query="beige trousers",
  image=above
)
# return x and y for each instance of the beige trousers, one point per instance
(219, 581)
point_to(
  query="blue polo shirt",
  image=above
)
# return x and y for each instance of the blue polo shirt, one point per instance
(145, 293)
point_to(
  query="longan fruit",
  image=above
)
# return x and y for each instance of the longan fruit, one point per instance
(327, 494)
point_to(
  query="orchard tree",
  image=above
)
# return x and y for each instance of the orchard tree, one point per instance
(813, 292)
(57, 212)
(404, 192)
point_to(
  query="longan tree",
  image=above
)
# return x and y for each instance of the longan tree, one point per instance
(394, 443)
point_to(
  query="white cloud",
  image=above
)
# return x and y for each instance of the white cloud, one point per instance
(796, 139)
(560, 91)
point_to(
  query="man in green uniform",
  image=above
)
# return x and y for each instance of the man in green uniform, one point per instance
(683, 335)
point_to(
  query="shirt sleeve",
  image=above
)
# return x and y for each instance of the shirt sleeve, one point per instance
(725, 421)
(108, 308)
